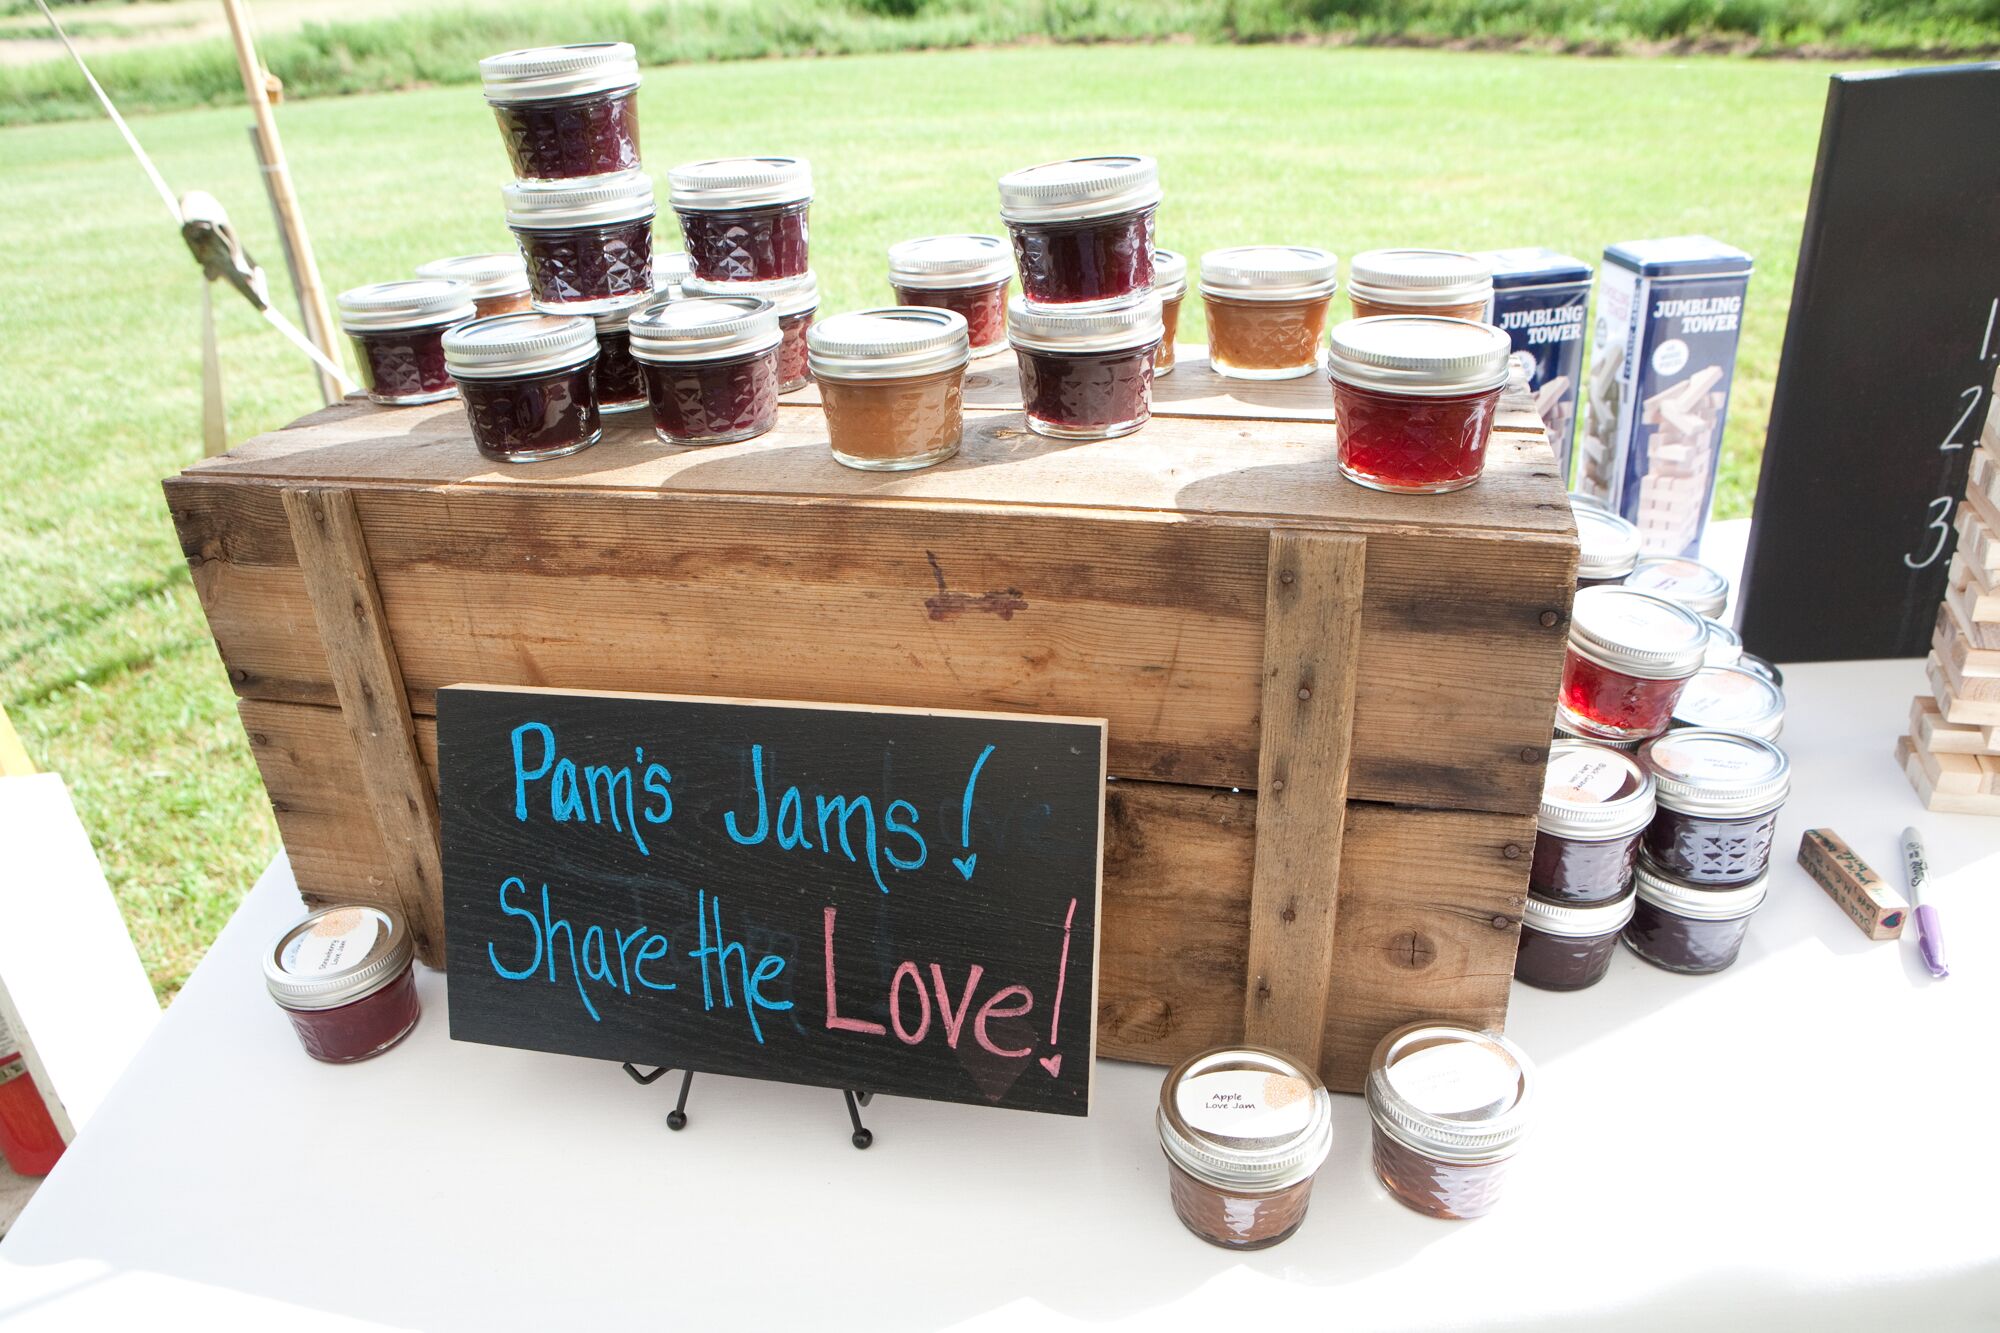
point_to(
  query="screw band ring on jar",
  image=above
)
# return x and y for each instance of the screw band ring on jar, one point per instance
(514, 346)
(1592, 791)
(703, 328)
(1654, 886)
(1269, 273)
(891, 343)
(1293, 1114)
(414, 303)
(1170, 270)
(309, 967)
(1729, 698)
(1080, 187)
(724, 184)
(546, 73)
(945, 263)
(564, 205)
(788, 296)
(487, 277)
(1450, 1093)
(1703, 771)
(1421, 356)
(1578, 921)
(1399, 277)
(1118, 328)
(1694, 585)
(1637, 633)
(1607, 546)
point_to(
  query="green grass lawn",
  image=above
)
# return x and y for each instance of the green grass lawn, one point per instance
(105, 662)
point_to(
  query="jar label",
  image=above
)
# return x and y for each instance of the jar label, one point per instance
(1245, 1104)
(1584, 777)
(337, 941)
(1465, 1080)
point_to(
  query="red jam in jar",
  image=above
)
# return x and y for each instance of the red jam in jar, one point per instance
(566, 111)
(1086, 374)
(1694, 585)
(588, 244)
(1083, 228)
(343, 976)
(498, 283)
(743, 218)
(967, 275)
(1446, 283)
(796, 301)
(1607, 547)
(1719, 794)
(1628, 658)
(527, 382)
(1449, 1107)
(1244, 1130)
(1414, 398)
(1566, 947)
(397, 329)
(1170, 285)
(1267, 307)
(1596, 803)
(1684, 928)
(711, 367)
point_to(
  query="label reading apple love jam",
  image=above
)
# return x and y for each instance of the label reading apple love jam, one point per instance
(1245, 1104)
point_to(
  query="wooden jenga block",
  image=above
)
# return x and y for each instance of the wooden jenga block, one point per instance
(1963, 646)
(1989, 773)
(1976, 541)
(1952, 772)
(1957, 709)
(1981, 597)
(1954, 803)
(1929, 729)
(1866, 898)
(1969, 689)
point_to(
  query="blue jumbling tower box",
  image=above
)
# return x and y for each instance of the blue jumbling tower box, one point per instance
(1539, 298)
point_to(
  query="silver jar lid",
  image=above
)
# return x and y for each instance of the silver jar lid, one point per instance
(1124, 327)
(610, 319)
(338, 955)
(1582, 500)
(414, 303)
(1607, 545)
(1593, 792)
(485, 276)
(1703, 771)
(1419, 277)
(1725, 645)
(1450, 1093)
(891, 343)
(1727, 698)
(596, 201)
(1245, 1118)
(1169, 275)
(1422, 356)
(543, 73)
(1678, 579)
(1653, 885)
(944, 263)
(1080, 187)
(1761, 666)
(702, 328)
(526, 343)
(671, 270)
(724, 183)
(1579, 921)
(1636, 632)
(1270, 273)
(796, 295)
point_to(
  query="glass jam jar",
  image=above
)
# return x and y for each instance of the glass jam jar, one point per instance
(1449, 1106)
(1694, 585)
(1563, 732)
(1719, 794)
(1567, 947)
(711, 366)
(498, 283)
(1596, 803)
(1727, 698)
(343, 976)
(1414, 399)
(1446, 283)
(743, 218)
(1267, 309)
(1761, 666)
(1244, 1130)
(968, 275)
(1725, 645)
(1607, 547)
(1086, 374)
(397, 329)
(1083, 228)
(588, 244)
(892, 382)
(620, 385)
(1629, 656)
(1170, 285)
(1683, 928)
(795, 299)
(528, 384)
(566, 111)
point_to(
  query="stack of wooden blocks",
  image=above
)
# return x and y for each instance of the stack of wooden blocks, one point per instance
(1952, 754)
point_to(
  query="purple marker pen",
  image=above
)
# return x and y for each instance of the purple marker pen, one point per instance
(1930, 934)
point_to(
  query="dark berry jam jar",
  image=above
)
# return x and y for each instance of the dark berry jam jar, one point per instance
(620, 385)
(1413, 400)
(1729, 698)
(528, 384)
(342, 976)
(892, 382)
(743, 218)
(588, 244)
(1683, 928)
(397, 329)
(1596, 803)
(1083, 228)
(795, 299)
(1086, 374)
(967, 275)
(1170, 285)
(1694, 585)
(711, 367)
(1629, 656)
(1267, 309)
(1607, 547)
(1566, 947)
(1446, 283)
(566, 111)
(498, 283)
(1244, 1130)
(1719, 794)
(1450, 1107)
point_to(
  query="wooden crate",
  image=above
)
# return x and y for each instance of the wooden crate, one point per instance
(1382, 669)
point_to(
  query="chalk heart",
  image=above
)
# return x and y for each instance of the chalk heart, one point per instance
(965, 863)
(1053, 1063)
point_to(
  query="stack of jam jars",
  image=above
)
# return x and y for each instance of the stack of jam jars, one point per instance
(1596, 806)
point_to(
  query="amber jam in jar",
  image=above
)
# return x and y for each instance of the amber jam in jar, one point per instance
(1086, 374)
(1683, 928)
(528, 383)
(1719, 794)
(892, 382)
(711, 366)
(1595, 804)
(795, 299)
(397, 329)
(1729, 698)
(1694, 585)
(1413, 400)
(1569, 948)
(588, 244)
(1170, 285)
(1630, 654)
(1449, 1106)
(968, 275)
(1083, 228)
(1244, 1130)
(498, 283)
(1446, 283)
(566, 111)
(743, 218)
(342, 976)
(1607, 547)
(1267, 309)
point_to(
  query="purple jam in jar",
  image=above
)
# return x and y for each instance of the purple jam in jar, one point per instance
(1086, 374)
(1719, 794)
(343, 978)
(796, 301)
(588, 244)
(1686, 928)
(1449, 1107)
(1083, 228)
(621, 385)
(566, 111)
(397, 329)
(711, 367)
(1596, 803)
(965, 274)
(528, 384)
(743, 218)
(1569, 948)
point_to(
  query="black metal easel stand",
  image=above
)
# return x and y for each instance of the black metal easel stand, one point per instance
(677, 1118)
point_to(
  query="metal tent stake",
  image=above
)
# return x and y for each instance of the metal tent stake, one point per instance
(677, 1118)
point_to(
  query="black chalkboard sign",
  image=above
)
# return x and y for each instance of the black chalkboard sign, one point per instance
(885, 900)
(1888, 362)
